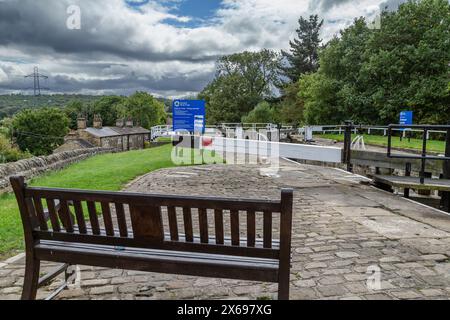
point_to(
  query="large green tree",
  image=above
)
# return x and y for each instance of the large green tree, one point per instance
(40, 131)
(144, 109)
(303, 56)
(242, 81)
(371, 75)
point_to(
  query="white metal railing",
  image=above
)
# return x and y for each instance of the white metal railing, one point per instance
(340, 129)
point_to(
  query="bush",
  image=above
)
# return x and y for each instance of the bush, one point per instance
(263, 113)
(8, 153)
(40, 131)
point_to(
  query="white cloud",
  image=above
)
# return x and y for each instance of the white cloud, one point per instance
(120, 47)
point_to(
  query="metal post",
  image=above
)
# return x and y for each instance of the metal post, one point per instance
(424, 155)
(445, 200)
(348, 144)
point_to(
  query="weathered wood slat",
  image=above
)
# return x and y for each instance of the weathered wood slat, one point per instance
(107, 219)
(267, 232)
(218, 221)
(40, 214)
(235, 236)
(251, 228)
(173, 223)
(53, 215)
(194, 246)
(80, 217)
(65, 216)
(188, 229)
(121, 219)
(93, 218)
(203, 223)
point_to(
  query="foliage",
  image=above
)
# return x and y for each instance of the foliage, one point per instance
(291, 108)
(242, 81)
(370, 76)
(14, 103)
(303, 56)
(40, 131)
(263, 113)
(9, 153)
(144, 109)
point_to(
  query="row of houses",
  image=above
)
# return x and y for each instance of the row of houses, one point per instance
(124, 136)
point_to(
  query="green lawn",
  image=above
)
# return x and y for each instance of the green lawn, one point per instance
(414, 144)
(104, 172)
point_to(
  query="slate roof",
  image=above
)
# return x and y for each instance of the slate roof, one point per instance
(116, 131)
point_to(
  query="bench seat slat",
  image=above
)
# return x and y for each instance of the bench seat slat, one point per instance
(161, 263)
(195, 246)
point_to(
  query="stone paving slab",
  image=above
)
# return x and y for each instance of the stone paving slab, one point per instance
(343, 230)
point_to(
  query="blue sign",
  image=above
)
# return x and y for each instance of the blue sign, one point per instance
(189, 115)
(406, 118)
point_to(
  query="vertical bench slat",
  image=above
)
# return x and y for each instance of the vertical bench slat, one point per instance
(107, 220)
(80, 217)
(173, 223)
(93, 218)
(203, 223)
(64, 214)
(53, 216)
(251, 228)
(218, 220)
(40, 214)
(235, 237)
(187, 216)
(121, 220)
(267, 229)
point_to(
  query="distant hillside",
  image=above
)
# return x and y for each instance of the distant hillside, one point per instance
(11, 104)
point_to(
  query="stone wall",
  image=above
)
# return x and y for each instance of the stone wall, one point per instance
(33, 167)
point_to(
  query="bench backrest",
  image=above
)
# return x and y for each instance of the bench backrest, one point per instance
(179, 223)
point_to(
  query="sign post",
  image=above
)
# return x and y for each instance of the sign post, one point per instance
(190, 116)
(406, 118)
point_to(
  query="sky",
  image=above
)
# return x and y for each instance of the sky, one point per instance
(165, 47)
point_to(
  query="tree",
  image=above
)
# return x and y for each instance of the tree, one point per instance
(242, 81)
(144, 109)
(109, 108)
(291, 108)
(263, 113)
(40, 131)
(303, 57)
(370, 76)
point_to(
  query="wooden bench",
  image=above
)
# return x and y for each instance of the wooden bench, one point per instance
(72, 233)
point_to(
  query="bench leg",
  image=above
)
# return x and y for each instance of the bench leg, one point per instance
(31, 281)
(283, 287)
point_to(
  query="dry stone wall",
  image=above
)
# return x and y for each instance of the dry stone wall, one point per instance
(33, 167)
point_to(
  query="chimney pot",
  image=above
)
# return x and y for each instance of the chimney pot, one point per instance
(98, 122)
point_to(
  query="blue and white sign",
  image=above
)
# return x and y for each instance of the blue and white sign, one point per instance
(406, 118)
(189, 115)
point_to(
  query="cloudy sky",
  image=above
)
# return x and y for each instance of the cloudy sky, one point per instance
(166, 47)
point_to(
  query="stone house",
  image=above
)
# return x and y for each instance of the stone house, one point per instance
(122, 137)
